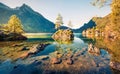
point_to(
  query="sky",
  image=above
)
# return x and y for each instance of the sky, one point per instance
(76, 11)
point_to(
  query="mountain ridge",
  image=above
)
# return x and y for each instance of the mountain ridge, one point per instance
(32, 21)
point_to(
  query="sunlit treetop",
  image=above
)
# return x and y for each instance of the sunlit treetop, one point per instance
(101, 3)
(59, 21)
(70, 24)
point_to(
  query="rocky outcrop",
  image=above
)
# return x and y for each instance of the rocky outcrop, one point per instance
(11, 37)
(115, 65)
(14, 37)
(15, 45)
(69, 61)
(25, 48)
(84, 32)
(33, 50)
(63, 36)
(94, 50)
(56, 60)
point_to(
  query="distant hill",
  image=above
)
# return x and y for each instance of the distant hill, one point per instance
(90, 24)
(99, 22)
(31, 20)
(34, 22)
(102, 22)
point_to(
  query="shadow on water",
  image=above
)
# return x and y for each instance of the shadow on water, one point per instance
(39, 39)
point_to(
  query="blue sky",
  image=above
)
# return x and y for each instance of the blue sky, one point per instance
(78, 11)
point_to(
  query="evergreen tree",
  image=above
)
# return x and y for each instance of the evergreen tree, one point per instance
(59, 21)
(70, 24)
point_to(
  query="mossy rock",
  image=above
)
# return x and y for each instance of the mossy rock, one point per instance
(63, 36)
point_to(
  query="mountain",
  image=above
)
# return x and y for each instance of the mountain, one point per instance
(102, 22)
(90, 24)
(99, 22)
(32, 21)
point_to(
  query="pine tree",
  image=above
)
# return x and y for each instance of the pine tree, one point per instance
(59, 21)
(70, 24)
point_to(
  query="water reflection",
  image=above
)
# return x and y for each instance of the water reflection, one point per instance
(72, 58)
(76, 56)
(111, 46)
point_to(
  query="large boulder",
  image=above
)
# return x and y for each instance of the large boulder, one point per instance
(33, 50)
(93, 50)
(56, 60)
(63, 36)
(115, 65)
(69, 61)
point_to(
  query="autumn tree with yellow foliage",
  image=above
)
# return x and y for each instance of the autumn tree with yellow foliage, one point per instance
(12, 30)
(115, 15)
(14, 25)
(113, 27)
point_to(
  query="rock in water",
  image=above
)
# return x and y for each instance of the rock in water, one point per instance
(69, 61)
(115, 65)
(56, 60)
(90, 48)
(63, 36)
(94, 50)
(24, 55)
(34, 49)
(97, 50)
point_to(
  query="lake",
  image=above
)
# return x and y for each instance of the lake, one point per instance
(74, 57)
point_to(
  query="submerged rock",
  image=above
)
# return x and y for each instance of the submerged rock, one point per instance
(94, 50)
(97, 50)
(20, 44)
(33, 50)
(90, 48)
(24, 48)
(56, 60)
(24, 55)
(115, 65)
(44, 57)
(36, 48)
(69, 61)
(63, 36)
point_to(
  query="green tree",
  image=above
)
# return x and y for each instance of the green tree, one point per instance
(59, 21)
(70, 24)
(14, 25)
